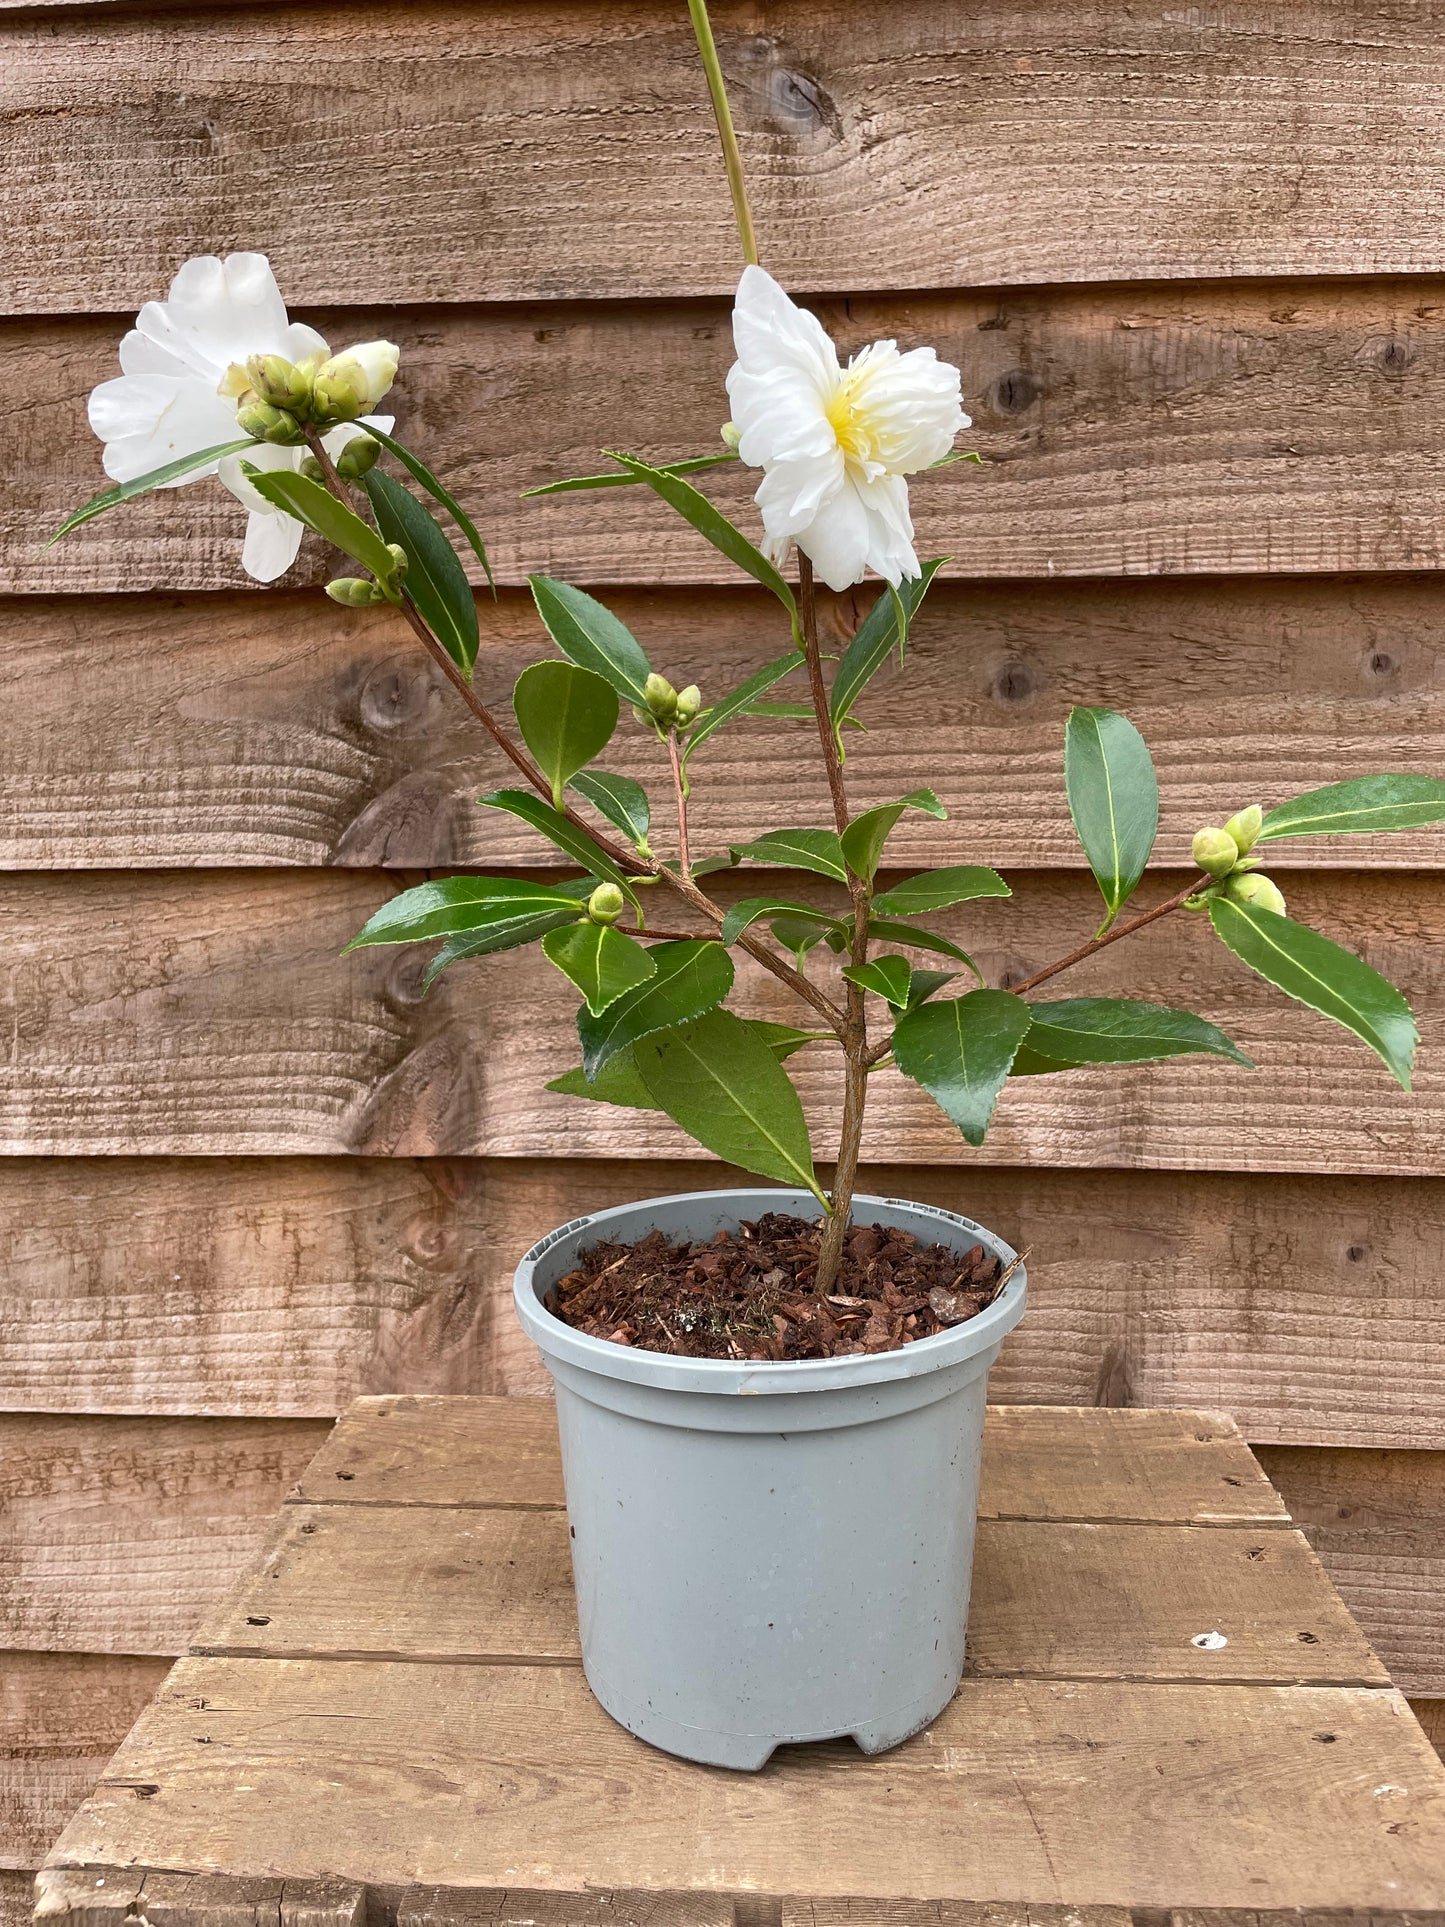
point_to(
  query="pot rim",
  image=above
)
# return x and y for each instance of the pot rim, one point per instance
(751, 1377)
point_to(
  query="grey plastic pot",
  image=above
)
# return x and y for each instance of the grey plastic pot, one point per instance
(768, 1552)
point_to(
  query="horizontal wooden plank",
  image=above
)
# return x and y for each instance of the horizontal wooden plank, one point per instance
(163, 1013)
(1377, 1520)
(342, 1582)
(191, 1900)
(62, 1715)
(234, 730)
(1307, 1306)
(118, 1535)
(1256, 428)
(1156, 1820)
(17, 1898)
(907, 145)
(1048, 1464)
(1431, 1715)
(461, 1907)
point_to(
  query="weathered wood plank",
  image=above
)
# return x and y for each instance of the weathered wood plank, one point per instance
(1157, 1819)
(343, 1581)
(1255, 428)
(1431, 1715)
(116, 1534)
(155, 1012)
(455, 1907)
(190, 1900)
(1307, 1306)
(16, 1899)
(1377, 1520)
(61, 1718)
(887, 143)
(215, 730)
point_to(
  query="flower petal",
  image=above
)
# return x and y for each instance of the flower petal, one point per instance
(264, 455)
(270, 546)
(300, 341)
(769, 329)
(909, 405)
(791, 494)
(146, 421)
(218, 311)
(836, 541)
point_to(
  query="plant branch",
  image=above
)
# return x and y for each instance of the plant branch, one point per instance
(1097, 944)
(727, 134)
(679, 791)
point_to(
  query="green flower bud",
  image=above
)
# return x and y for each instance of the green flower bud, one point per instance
(1245, 827)
(354, 592)
(689, 702)
(661, 697)
(606, 903)
(357, 457)
(1215, 851)
(1257, 891)
(280, 382)
(312, 469)
(352, 384)
(267, 423)
(641, 716)
(400, 557)
(732, 435)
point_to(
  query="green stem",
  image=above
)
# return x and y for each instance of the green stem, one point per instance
(727, 134)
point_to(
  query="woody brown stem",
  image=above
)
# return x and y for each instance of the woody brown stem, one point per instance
(1097, 944)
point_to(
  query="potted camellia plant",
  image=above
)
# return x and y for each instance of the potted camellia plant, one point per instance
(770, 1399)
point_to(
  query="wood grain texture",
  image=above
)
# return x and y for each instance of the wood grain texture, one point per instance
(913, 145)
(169, 1013)
(1307, 1306)
(183, 1900)
(484, 1775)
(62, 1715)
(453, 1907)
(244, 730)
(1377, 1520)
(1255, 428)
(117, 1535)
(17, 1898)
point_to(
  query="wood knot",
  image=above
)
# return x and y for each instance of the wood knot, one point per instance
(1379, 662)
(800, 106)
(1391, 355)
(1014, 683)
(1013, 393)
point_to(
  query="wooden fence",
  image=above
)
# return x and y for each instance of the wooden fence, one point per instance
(1187, 260)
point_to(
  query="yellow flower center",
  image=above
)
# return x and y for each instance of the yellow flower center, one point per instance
(861, 426)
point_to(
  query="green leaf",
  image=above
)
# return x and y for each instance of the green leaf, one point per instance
(1365, 804)
(739, 701)
(622, 801)
(601, 961)
(565, 834)
(1113, 799)
(873, 643)
(1121, 1030)
(616, 1083)
(1314, 971)
(961, 1051)
(865, 836)
(794, 712)
(317, 509)
(690, 466)
(112, 497)
(689, 978)
(784, 1039)
(502, 934)
(435, 580)
(818, 850)
(799, 935)
(590, 635)
(1029, 1063)
(453, 904)
(958, 455)
(720, 1082)
(940, 890)
(925, 982)
(743, 914)
(566, 716)
(915, 937)
(712, 523)
(888, 977)
(419, 472)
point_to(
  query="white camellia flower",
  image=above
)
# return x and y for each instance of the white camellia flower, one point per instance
(835, 443)
(182, 367)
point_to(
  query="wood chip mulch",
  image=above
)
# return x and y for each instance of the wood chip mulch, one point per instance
(750, 1295)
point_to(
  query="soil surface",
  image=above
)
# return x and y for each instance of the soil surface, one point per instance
(750, 1293)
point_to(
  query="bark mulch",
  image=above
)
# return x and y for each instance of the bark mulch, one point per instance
(750, 1293)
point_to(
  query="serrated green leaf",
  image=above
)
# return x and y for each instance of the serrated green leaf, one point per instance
(566, 716)
(317, 509)
(1359, 807)
(737, 702)
(798, 935)
(453, 904)
(419, 472)
(795, 713)
(719, 1081)
(887, 977)
(784, 1039)
(601, 961)
(1113, 799)
(1123, 1030)
(817, 850)
(914, 936)
(940, 890)
(622, 801)
(565, 834)
(961, 1051)
(1329, 979)
(587, 633)
(865, 836)
(435, 580)
(617, 1082)
(691, 465)
(873, 643)
(1029, 1063)
(711, 523)
(501, 934)
(689, 978)
(925, 982)
(751, 909)
(119, 492)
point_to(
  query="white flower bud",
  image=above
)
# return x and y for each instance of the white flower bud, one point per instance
(732, 435)
(353, 382)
